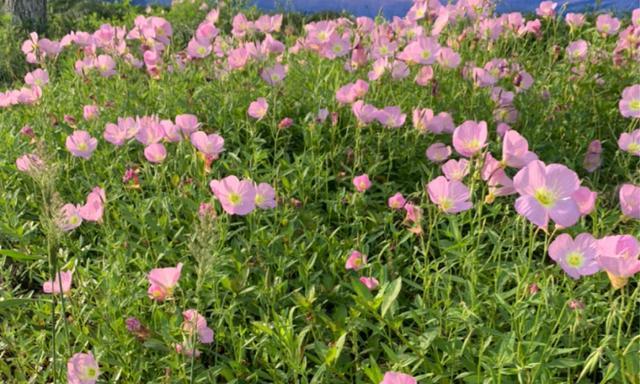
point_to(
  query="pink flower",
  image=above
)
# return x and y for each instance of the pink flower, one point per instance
(438, 152)
(210, 145)
(608, 25)
(117, 134)
(423, 50)
(155, 153)
(515, 150)
(63, 278)
(413, 213)
(69, 217)
(364, 113)
(390, 117)
(90, 112)
(391, 377)
(576, 257)
(546, 9)
(258, 109)
(285, 123)
(585, 199)
(618, 255)
(449, 196)
(502, 128)
(630, 200)
(546, 191)
(577, 50)
(37, 78)
(105, 65)
(630, 103)
(370, 282)
(187, 123)
(198, 49)
(163, 281)
(81, 144)
(171, 131)
(351, 92)
(592, 159)
(237, 197)
(150, 131)
(273, 75)
(499, 183)
(356, 261)
(630, 142)
(396, 201)
(362, 182)
(574, 20)
(424, 76)
(265, 196)
(448, 58)
(193, 321)
(82, 368)
(455, 170)
(29, 163)
(470, 137)
(94, 208)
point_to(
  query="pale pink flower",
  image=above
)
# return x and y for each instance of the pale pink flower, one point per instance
(90, 112)
(349, 93)
(424, 76)
(155, 153)
(575, 20)
(62, 278)
(470, 137)
(150, 131)
(187, 123)
(273, 75)
(423, 50)
(413, 213)
(448, 58)
(209, 145)
(193, 321)
(38, 78)
(455, 170)
(81, 144)
(630, 103)
(391, 377)
(449, 196)
(199, 49)
(577, 50)
(499, 183)
(576, 257)
(546, 9)
(356, 261)
(105, 65)
(265, 196)
(396, 201)
(390, 117)
(438, 152)
(608, 25)
(69, 217)
(362, 182)
(370, 282)
(94, 207)
(630, 200)
(237, 197)
(258, 109)
(82, 368)
(618, 255)
(585, 199)
(515, 150)
(630, 142)
(163, 282)
(29, 163)
(364, 113)
(118, 134)
(546, 191)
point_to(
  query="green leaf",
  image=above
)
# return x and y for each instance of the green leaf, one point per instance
(17, 255)
(334, 352)
(15, 302)
(390, 294)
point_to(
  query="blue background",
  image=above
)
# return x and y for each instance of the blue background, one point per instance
(391, 8)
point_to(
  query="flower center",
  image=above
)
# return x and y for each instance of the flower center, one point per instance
(634, 147)
(337, 48)
(575, 259)
(83, 146)
(634, 105)
(473, 145)
(545, 197)
(446, 203)
(426, 54)
(235, 199)
(259, 199)
(202, 51)
(73, 220)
